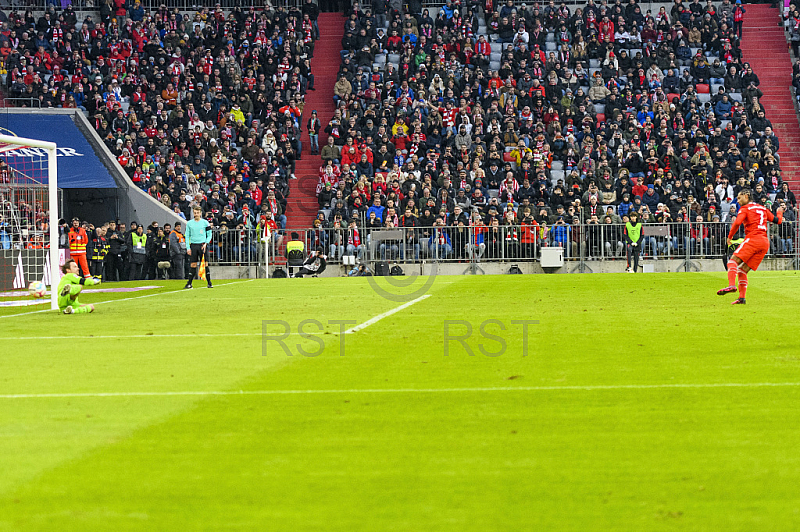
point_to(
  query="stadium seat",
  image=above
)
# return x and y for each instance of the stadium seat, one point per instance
(594, 63)
(715, 88)
(494, 193)
(599, 108)
(394, 58)
(508, 158)
(703, 97)
(703, 88)
(671, 96)
(601, 117)
(736, 96)
(550, 47)
(557, 165)
(495, 56)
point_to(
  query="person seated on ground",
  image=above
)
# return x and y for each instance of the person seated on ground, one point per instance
(315, 264)
(69, 288)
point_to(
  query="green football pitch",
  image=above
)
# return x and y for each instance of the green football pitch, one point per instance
(637, 402)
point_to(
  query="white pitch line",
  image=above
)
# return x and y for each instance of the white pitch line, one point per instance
(123, 299)
(349, 331)
(599, 387)
(93, 337)
(386, 314)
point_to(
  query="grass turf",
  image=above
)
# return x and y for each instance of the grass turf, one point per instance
(548, 455)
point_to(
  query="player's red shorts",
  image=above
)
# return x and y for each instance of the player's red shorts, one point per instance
(752, 251)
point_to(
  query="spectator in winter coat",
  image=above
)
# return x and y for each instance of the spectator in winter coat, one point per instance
(651, 198)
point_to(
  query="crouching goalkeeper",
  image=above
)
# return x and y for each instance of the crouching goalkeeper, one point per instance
(70, 287)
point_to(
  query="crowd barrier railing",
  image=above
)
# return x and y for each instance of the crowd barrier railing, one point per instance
(583, 243)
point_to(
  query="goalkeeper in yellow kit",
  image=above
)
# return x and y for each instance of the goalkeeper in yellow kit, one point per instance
(70, 287)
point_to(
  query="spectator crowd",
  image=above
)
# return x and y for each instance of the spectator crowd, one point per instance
(537, 120)
(201, 108)
(545, 119)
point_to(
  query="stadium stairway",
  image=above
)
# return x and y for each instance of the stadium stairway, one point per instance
(302, 203)
(765, 47)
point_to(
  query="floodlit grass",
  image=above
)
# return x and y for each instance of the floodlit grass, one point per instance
(621, 416)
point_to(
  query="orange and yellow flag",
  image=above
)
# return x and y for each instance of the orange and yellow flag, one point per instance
(201, 271)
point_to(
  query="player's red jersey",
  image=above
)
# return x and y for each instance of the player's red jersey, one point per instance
(754, 216)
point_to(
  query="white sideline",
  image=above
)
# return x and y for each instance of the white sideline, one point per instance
(102, 336)
(118, 300)
(386, 314)
(207, 335)
(599, 387)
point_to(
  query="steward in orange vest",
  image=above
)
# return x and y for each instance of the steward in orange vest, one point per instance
(77, 245)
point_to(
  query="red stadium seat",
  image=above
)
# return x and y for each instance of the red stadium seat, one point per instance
(507, 157)
(671, 96)
(601, 118)
(703, 88)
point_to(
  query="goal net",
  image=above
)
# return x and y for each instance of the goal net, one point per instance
(30, 250)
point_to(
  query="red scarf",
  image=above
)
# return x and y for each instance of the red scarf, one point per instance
(353, 237)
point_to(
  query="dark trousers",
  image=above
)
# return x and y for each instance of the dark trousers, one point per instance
(633, 253)
(178, 268)
(149, 271)
(135, 271)
(305, 271)
(113, 266)
(96, 268)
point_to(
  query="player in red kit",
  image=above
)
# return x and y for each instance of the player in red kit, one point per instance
(756, 243)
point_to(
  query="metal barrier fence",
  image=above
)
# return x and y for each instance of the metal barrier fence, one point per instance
(22, 102)
(518, 243)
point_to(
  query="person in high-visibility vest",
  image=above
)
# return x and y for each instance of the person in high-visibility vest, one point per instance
(295, 252)
(138, 244)
(70, 287)
(98, 248)
(77, 245)
(633, 236)
(177, 252)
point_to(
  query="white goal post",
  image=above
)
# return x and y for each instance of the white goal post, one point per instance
(9, 144)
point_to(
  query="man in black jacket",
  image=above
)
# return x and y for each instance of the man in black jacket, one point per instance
(117, 247)
(311, 9)
(314, 264)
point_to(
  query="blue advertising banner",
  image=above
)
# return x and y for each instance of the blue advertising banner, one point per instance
(78, 165)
